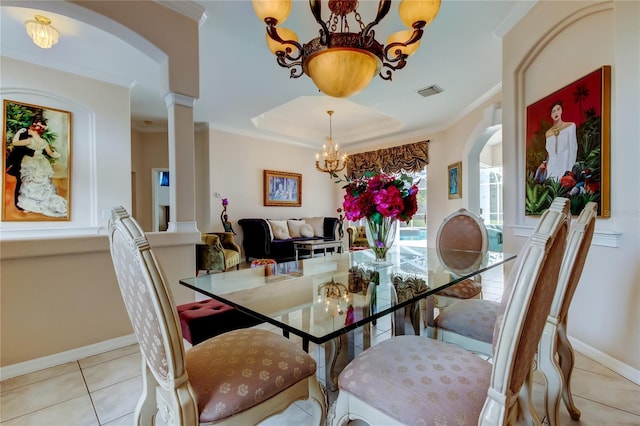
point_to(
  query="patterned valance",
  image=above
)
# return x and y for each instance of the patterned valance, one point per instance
(412, 157)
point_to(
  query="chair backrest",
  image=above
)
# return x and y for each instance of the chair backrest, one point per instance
(148, 300)
(462, 230)
(534, 278)
(575, 256)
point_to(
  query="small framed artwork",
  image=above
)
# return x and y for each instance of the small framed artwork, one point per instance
(282, 189)
(455, 180)
(36, 147)
(567, 146)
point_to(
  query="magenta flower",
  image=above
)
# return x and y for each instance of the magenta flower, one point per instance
(225, 202)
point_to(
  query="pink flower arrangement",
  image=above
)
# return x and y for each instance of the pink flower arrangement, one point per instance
(375, 196)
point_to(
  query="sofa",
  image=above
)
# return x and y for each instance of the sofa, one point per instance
(273, 239)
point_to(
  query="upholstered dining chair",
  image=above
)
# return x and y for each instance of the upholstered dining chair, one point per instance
(413, 380)
(470, 323)
(461, 230)
(240, 377)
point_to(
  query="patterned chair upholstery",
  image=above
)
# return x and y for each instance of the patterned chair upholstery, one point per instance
(217, 252)
(461, 230)
(470, 323)
(239, 377)
(357, 237)
(413, 380)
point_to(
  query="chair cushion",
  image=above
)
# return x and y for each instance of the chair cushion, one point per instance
(237, 370)
(466, 289)
(419, 381)
(231, 258)
(473, 318)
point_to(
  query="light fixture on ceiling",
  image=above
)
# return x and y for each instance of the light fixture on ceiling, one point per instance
(41, 31)
(332, 162)
(341, 63)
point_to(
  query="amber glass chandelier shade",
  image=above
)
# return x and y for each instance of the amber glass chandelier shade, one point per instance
(285, 34)
(276, 9)
(41, 32)
(342, 72)
(403, 37)
(412, 11)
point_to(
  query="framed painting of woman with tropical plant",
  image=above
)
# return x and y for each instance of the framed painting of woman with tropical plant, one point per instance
(567, 146)
(37, 163)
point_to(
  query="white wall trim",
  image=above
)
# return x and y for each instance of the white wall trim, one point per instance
(608, 361)
(64, 357)
(600, 238)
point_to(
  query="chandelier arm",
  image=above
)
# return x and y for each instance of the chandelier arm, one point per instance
(316, 10)
(387, 75)
(272, 32)
(383, 9)
(284, 61)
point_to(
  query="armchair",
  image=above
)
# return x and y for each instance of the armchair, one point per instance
(357, 237)
(217, 251)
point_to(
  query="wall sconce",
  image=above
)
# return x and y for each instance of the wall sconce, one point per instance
(41, 32)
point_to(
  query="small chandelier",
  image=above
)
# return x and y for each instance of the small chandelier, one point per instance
(334, 296)
(332, 161)
(341, 63)
(41, 32)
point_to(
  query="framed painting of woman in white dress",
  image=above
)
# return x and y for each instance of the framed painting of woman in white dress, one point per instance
(567, 146)
(36, 163)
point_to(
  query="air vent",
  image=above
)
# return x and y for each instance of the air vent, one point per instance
(431, 90)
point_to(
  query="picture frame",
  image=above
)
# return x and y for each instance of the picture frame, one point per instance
(567, 152)
(36, 148)
(282, 189)
(454, 179)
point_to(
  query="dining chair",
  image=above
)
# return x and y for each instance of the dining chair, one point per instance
(237, 378)
(470, 323)
(461, 230)
(413, 380)
(557, 371)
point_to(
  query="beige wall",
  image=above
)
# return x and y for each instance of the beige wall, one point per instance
(554, 45)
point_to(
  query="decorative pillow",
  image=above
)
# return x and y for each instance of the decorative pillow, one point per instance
(318, 225)
(270, 230)
(294, 227)
(280, 229)
(306, 231)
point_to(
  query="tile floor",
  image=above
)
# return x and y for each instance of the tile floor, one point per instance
(103, 390)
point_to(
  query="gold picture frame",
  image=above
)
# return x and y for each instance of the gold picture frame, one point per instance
(454, 179)
(36, 147)
(282, 189)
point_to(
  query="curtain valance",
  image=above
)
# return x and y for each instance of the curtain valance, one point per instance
(411, 157)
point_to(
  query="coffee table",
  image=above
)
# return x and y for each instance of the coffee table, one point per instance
(312, 245)
(297, 299)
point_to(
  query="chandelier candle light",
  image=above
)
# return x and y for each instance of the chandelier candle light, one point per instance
(381, 200)
(341, 63)
(332, 162)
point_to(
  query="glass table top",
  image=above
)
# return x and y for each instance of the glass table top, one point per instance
(323, 297)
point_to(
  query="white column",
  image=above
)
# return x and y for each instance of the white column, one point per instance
(181, 163)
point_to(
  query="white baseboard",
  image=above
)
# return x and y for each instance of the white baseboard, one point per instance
(608, 361)
(64, 357)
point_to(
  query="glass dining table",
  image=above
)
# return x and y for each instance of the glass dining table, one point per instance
(325, 299)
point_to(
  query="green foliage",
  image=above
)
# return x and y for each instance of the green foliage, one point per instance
(537, 199)
(578, 201)
(20, 116)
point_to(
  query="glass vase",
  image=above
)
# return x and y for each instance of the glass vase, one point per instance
(380, 236)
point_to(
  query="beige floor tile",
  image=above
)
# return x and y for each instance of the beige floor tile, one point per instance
(617, 392)
(126, 420)
(108, 356)
(75, 412)
(596, 414)
(292, 416)
(48, 373)
(117, 400)
(585, 363)
(110, 372)
(36, 396)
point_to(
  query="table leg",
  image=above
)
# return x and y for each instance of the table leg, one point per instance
(338, 353)
(297, 253)
(311, 250)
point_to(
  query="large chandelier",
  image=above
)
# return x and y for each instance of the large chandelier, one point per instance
(41, 31)
(331, 160)
(341, 63)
